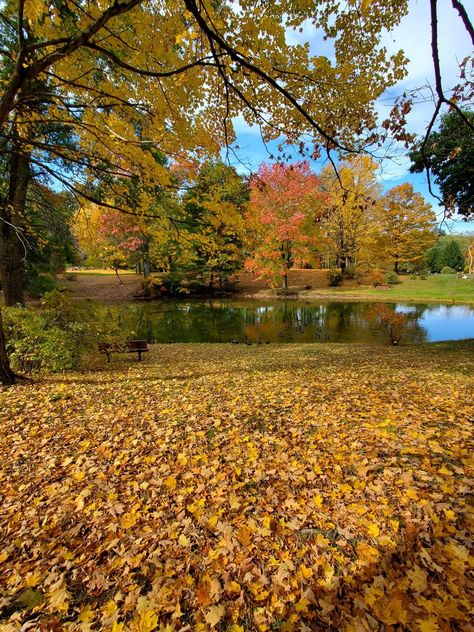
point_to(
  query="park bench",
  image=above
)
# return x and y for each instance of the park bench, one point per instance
(130, 346)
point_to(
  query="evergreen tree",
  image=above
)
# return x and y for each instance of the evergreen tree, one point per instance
(435, 258)
(453, 256)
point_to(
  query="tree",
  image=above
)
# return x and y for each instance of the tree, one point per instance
(406, 226)
(286, 206)
(435, 259)
(214, 209)
(453, 256)
(354, 193)
(449, 155)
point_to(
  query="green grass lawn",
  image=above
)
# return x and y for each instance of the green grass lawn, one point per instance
(443, 288)
(438, 287)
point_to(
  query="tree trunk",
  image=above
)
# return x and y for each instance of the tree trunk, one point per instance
(285, 281)
(12, 219)
(6, 374)
(396, 266)
(118, 276)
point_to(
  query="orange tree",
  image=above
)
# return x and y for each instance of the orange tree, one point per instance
(286, 205)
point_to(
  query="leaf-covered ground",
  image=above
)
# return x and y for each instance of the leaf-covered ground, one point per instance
(299, 487)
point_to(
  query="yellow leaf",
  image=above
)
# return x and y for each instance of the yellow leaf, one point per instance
(234, 501)
(86, 615)
(318, 501)
(144, 621)
(302, 605)
(233, 588)
(32, 579)
(214, 615)
(373, 530)
(128, 520)
(418, 579)
(170, 483)
(59, 599)
(428, 625)
(183, 540)
(109, 609)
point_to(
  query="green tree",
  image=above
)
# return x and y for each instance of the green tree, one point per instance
(435, 259)
(449, 155)
(453, 256)
(214, 209)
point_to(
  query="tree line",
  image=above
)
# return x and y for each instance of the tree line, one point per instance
(284, 215)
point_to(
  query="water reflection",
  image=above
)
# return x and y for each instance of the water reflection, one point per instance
(224, 321)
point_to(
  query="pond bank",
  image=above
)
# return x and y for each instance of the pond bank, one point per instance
(433, 289)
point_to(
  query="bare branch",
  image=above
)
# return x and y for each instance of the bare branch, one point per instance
(464, 17)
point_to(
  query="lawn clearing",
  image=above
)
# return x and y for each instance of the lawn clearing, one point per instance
(289, 487)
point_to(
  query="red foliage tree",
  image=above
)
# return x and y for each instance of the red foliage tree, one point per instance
(286, 205)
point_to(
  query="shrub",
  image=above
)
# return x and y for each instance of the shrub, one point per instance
(391, 278)
(448, 270)
(334, 277)
(55, 336)
(392, 323)
(374, 278)
(38, 284)
(350, 271)
(35, 343)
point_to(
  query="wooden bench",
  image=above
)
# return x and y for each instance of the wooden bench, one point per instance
(131, 346)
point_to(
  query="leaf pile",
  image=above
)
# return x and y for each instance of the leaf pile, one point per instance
(294, 487)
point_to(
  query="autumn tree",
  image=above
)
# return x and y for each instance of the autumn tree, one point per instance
(286, 206)
(214, 211)
(405, 226)
(354, 193)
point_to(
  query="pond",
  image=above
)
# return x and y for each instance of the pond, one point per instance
(281, 321)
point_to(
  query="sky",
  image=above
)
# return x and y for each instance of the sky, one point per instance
(413, 36)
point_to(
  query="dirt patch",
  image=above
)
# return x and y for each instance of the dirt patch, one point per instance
(298, 279)
(103, 287)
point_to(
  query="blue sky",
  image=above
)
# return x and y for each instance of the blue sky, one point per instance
(413, 37)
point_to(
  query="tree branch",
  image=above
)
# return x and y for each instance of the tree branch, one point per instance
(464, 17)
(142, 71)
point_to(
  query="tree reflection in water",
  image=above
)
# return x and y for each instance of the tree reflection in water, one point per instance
(280, 321)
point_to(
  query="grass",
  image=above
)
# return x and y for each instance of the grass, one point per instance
(442, 288)
(437, 287)
(98, 272)
(232, 488)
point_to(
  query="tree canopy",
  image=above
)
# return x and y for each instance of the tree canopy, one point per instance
(449, 154)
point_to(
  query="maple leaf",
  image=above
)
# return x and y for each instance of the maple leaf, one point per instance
(214, 615)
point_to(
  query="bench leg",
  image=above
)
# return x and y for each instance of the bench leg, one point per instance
(139, 356)
(108, 357)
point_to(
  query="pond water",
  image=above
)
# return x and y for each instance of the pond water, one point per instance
(281, 321)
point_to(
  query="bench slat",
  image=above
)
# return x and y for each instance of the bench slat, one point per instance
(130, 346)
